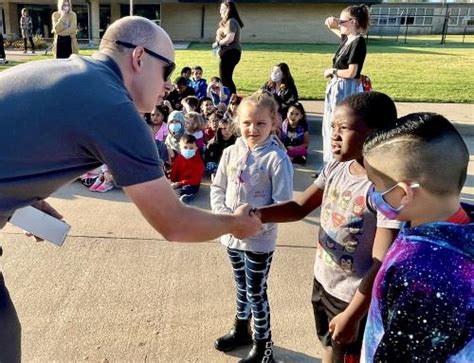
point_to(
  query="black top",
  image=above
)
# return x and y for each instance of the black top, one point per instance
(352, 53)
(175, 97)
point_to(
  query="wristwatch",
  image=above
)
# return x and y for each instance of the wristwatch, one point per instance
(334, 72)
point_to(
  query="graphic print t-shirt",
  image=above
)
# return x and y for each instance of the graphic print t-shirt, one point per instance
(346, 235)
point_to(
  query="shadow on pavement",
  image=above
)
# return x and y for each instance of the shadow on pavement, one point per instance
(10, 328)
(281, 355)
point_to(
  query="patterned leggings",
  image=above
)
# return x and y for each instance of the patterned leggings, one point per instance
(250, 274)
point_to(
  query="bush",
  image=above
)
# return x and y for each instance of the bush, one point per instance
(38, 39)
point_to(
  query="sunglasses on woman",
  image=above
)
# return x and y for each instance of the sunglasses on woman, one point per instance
(341, 22)
(169, 64)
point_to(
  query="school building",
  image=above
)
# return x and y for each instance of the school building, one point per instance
(272, 21)
(266, 21)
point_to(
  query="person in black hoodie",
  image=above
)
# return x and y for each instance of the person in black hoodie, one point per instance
(225, 136)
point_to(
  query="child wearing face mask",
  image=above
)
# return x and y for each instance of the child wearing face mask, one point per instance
(422, 300)
(352, 238)
(295, 134)
(175, 132)
(282, 86)
(187, 169)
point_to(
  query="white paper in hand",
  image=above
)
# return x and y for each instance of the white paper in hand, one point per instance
(41, 225)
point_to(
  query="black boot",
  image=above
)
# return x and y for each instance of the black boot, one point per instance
(262, 352)
(239, 335)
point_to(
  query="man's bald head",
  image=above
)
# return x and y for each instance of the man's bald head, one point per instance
(138, 31)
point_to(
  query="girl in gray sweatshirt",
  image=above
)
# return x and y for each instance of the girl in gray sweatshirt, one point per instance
(256, 170)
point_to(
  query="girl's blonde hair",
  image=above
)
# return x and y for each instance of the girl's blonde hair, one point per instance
(197, 119)
(261, 98)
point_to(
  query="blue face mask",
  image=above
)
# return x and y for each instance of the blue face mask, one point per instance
(377, 200)
(188, 153)
(175, 128)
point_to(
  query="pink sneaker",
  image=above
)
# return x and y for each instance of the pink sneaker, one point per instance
(104, 187)
(98, 182)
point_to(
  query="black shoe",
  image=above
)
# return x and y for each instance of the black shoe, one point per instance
(262, 352)
(238, 336)
(315, 175)
(299, 160)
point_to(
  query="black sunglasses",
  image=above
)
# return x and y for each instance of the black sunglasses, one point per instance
(340, 22)
(170, 65)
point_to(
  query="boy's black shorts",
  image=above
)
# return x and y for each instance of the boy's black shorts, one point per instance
(326, 307)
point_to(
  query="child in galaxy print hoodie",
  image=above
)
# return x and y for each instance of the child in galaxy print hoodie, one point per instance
(422, 307)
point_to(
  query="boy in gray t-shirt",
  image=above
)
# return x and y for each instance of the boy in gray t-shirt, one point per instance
(352, 239)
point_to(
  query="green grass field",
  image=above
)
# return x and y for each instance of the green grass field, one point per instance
(416, 71)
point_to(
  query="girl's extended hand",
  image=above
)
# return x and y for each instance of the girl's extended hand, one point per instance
(344, 328)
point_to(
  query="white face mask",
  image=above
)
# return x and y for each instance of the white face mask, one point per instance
(276, 76)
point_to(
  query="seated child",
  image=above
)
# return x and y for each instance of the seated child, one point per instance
(295, 134)
(212, 125)
(175, 132)
(232, 107)
(187, 170)
(225, 136)
(422, 300)
(192, 125)
(157, 120)
(186, 73)
(198, 83)
(160, 145)
(104, 181)
(181, 91)
(190, 104)
(218, 93)
(352, 238)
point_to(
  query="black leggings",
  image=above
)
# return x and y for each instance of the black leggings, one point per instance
(229, 59)
(2, 49)
(25, 44)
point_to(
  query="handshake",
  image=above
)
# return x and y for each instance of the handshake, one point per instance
(246, 222)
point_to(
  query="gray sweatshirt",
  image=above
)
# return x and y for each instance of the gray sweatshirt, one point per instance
(259, 176)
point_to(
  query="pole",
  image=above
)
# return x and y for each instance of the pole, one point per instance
(131, 7)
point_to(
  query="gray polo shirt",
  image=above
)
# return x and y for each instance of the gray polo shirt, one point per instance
(62, 118)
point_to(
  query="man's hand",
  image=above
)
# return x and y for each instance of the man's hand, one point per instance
(344, 328)
(45, 207)
(246, 222)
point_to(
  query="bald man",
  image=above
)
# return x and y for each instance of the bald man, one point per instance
(62, 118)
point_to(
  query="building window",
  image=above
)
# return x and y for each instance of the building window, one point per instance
(401, 16)
(460, 16)
(152, 12)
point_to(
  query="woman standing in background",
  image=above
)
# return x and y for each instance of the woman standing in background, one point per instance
(64, 29)
(228, 43)
(346, 65)
(26, 26)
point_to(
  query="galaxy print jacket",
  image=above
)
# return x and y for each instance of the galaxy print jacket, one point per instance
(422, 307)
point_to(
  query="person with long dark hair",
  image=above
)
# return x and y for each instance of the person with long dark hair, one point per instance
(282, 86)
(228, 43)
(346, 65)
